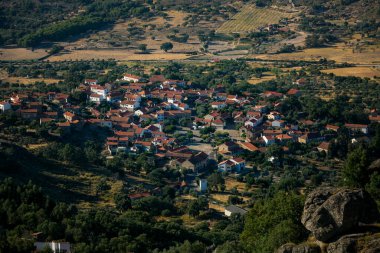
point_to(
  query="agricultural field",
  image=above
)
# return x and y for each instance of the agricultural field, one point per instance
(25, 80)
(117, 54)
(251, 18)
(16, 54)
(340, 53)
(363, 72)
(265, 77)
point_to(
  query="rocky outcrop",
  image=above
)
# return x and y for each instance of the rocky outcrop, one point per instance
(345, 244)
(372, 245)
(331, 212)
(306, 248)
(332, 215)
(301, 248)
(286, 248)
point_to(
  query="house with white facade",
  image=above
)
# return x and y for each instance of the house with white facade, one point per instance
(131, 78)
(4, 106)
(129, 105)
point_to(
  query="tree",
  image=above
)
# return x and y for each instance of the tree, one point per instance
(193, 208)
(355, 172)
(273, 222)
(216, 181)
(142, 48)
(166, 46)
(122, 202)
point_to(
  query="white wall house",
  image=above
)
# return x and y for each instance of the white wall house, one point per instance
(129, 105)
(96, 98)
(218, 105)
(100, 90)
(131, 78)
(4, 106)
(56, 247)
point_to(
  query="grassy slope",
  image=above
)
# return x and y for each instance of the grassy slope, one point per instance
(61, 181)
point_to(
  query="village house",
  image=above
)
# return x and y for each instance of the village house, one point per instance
(129, 105)
(55, 247)
(229, 148)
(5, 106)
(90, 81)
(96, 98)
(69, 116)
(218, 105)
(232, 209)
(357, 128)
(218, 123)
(100, 90)
(248, 146)
(293, 92)
(197, 162)
(269, 139)
(278, 123)
(234, 164)
(332, 128)
(374, 118)
(323, 147)
(310, 137)
(131, 78)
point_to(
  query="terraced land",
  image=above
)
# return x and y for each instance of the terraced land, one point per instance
(250, 18)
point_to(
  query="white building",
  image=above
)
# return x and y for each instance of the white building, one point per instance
(56, 247)
(203, 185)
(129, 105)
(96, 98)
(100, 90)
(229, 210)
(91, 81)
(131, 78)
(218, 105)
(4, 106)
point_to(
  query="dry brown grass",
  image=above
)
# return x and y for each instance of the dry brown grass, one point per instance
(231, 183)
(256, 80)
(117, 54)
(339, 53)
(23, 80)
(17, 54)
(362, 72)
(220, 197)
(36, 146)
(216, 207)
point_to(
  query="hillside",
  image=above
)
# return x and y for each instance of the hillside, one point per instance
(19, 18)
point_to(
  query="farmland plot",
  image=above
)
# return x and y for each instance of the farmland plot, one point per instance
(251, 18)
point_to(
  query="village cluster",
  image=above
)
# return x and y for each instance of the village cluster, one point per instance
(140, 108)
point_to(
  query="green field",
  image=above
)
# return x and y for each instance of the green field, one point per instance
(250, 18)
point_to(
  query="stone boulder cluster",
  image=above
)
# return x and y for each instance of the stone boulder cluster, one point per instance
(341, 220)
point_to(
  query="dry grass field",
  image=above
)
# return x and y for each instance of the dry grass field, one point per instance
(264, 78)
(369, 72)
(23, 80)
(220, 197)
(117, 54)
(251, 18)
(231, 183)
(339, 53)
(16, 54)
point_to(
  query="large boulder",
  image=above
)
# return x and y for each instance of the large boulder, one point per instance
(306, 248)
(331, 212)
(345, 244)
(300, 248)
(286, 248)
